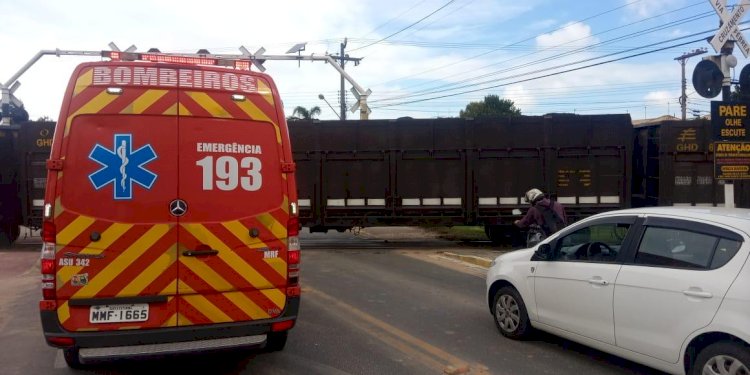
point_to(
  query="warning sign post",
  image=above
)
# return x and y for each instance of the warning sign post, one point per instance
(732, 160)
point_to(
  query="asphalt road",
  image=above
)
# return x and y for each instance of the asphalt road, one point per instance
(370, 306)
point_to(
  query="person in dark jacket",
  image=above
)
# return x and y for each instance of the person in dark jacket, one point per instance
(548, 215)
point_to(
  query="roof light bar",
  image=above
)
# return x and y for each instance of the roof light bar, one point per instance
(240, 63)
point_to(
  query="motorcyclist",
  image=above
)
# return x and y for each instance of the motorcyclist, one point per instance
(547, 214)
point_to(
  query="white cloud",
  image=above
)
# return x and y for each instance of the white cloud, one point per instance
(521, 97)
(659, 97)
(648, 8)
(572, 34)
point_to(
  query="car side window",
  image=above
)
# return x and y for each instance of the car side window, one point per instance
(680, 248)
(724, 252)
(595, 243)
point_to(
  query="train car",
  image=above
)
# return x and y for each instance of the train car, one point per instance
(24, 149)
(673, 165)
(10, 205)
(456, 171)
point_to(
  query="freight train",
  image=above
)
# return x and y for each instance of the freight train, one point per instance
(444, 172)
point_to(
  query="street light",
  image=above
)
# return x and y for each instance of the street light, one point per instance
(323, 98)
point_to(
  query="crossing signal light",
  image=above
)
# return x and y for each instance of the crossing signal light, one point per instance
(707, 78)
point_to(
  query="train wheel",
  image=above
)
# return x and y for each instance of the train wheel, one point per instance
(496, 234)
(5, 235)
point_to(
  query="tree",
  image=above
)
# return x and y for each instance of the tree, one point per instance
(492, 106)
(302, 113)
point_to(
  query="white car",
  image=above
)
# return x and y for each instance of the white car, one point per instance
(666, 287)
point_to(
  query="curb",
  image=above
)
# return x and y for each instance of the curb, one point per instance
(475, 260)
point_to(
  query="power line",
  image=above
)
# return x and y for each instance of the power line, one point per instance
(515, 43)
(536, 62)
(558, 66)
(405, 28)
(543, 76)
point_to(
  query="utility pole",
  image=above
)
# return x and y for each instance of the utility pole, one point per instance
(682, 59)
(343, 58)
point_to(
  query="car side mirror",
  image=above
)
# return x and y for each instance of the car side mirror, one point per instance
(543, 252)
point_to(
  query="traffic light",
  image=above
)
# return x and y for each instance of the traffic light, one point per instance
(707, 77)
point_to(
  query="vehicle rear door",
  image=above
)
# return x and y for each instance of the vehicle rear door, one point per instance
(232, 233)
(673, 283)
(116, 240)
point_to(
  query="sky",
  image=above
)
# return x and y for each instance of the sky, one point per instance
(420, 58)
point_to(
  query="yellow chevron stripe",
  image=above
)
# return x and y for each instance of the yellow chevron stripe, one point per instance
(265, 91)
(273, 225)
(207, 308)
(209, 104)
(74, 229)
(171, 322)
(256, 114)
(145, 278)
(143, 102)
(170, 290)
(58, 207)
(275, 295)
(247, 305)
(206, 273)
(84, 81)
(228, 256)
(63, 312)
(182, 320)
(240, 231)
(285, 202)
(93, 106)
(109, 236)
(183, 111)
(171, 111)
(111, 271)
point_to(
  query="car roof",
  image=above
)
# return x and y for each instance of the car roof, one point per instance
(736, 217)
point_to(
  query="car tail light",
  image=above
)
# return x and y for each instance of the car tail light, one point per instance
(48, 260)
(61, 341)
(293, 252)
(282, 326)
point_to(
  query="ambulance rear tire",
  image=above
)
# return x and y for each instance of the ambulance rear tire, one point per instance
(275, 341)
(72, 358)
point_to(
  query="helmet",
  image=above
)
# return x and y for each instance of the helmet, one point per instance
(533, 195)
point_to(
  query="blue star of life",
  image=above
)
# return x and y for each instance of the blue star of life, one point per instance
(122, 166)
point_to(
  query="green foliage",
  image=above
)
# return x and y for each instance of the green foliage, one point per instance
(492, 106)
(302, 113)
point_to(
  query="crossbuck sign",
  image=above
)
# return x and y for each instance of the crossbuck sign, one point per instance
(729, 29)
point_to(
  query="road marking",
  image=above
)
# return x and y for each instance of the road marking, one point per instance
(429, 355)
(60, 360)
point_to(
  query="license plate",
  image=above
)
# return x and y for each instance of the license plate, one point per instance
(135, 312)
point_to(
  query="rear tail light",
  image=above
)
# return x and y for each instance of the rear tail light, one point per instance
(48, 260)
(293, 253)
(284, 325)
(61, 341)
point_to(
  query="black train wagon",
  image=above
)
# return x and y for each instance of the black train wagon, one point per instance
(673, 166)
(457, 171)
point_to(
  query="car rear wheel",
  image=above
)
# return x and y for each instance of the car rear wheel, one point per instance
(275, 341)
(510, 314)
(72, 358)
(726, 358)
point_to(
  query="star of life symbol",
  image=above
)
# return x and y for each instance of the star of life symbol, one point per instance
(729, 29)
(122, 166)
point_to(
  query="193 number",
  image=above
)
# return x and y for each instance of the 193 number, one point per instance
(224, 173)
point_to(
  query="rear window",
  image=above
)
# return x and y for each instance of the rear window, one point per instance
(680, 248)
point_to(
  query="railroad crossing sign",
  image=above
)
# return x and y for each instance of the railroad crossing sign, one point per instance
(729, 29)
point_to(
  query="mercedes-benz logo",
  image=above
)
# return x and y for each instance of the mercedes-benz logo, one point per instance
(178, 207)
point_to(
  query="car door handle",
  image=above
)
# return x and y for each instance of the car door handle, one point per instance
(697, 293)
(598, 281)
(197, 253)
